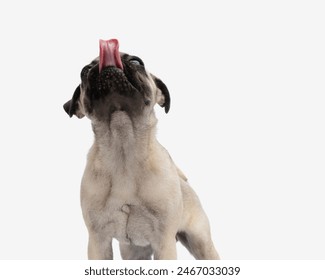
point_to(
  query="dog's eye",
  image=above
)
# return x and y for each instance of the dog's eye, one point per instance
(136, 61)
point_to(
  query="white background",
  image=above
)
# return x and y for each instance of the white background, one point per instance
(246, 123)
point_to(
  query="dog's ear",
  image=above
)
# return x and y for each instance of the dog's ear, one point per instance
(163, 98)
(72, 106)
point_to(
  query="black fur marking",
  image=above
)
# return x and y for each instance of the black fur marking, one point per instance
(72, 105)
(165, 92)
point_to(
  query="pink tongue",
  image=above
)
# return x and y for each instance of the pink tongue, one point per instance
(109, 54)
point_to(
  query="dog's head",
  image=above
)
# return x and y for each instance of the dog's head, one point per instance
(116, 82)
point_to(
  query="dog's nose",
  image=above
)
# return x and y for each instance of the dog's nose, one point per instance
(109, 54)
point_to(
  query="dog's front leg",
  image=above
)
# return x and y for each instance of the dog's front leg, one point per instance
(99, 247)
(165, 248)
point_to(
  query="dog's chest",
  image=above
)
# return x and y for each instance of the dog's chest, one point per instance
(113, 207)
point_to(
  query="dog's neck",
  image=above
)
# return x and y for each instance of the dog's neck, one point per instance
(125, 141)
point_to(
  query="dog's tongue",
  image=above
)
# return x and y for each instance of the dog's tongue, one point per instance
(109, 54)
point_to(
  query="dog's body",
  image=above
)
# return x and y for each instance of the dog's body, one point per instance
(131, 189)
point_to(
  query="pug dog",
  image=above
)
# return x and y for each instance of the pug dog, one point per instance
(131, 189)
